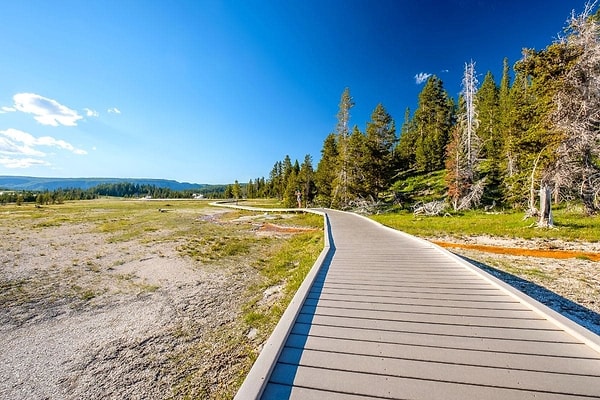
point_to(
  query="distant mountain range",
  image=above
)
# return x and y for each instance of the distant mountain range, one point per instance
(40, 184)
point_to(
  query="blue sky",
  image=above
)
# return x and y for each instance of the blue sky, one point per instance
(217, 91)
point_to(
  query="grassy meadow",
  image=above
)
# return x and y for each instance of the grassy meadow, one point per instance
(570, 225)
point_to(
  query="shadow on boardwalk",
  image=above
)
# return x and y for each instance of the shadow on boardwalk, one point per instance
(575, 312)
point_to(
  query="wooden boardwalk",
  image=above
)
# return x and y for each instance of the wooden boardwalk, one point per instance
(388, 316)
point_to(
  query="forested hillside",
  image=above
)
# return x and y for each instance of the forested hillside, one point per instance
(502, 142)
(41, 184)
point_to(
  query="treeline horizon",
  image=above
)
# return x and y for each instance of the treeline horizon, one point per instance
(121, 189)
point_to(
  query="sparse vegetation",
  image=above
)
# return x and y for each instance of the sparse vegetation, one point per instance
(211, 273)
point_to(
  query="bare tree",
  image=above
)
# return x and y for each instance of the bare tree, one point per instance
(464, 189)
(577, 112)
(469, 119)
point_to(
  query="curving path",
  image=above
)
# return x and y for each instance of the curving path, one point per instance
(384, 315)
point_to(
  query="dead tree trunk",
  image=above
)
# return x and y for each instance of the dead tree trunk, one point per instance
(546, 220)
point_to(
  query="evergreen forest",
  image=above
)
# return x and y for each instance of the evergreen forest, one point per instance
(500, 144)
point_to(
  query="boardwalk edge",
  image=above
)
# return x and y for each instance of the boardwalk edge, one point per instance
(255, 382)
(579, 332)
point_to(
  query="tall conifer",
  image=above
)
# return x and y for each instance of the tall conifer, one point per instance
(380, 142)
(432, 122)
(340, 195)
(327, 170)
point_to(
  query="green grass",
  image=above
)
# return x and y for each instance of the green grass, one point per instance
(421, 187)
(217, 247)
(570, 225)
(285, 264)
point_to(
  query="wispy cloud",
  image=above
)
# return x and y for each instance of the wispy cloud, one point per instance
(12, 147)
(21, 162)
(5, 110)
(421, 77)
(46, 111)
(16, 142)
(114, 110)
(91, 113)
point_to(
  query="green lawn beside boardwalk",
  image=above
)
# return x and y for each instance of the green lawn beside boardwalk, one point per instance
(570, 225)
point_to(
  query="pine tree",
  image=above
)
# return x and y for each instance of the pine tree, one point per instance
(228, 194)
(306, 178)
(489, 131)
(530, 141)
(340, 195)
(380, 142)
(236, 190)
(292, 186)
(326, 171)
(432, 122)
(276, 181)
(505, 110)
(518, 114)
(545, 70)
(405, 150)
(357, 177)
(456, 178)
(250, 190)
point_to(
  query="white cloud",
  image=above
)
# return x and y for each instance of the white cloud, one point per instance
(5, 110)
(91, 113)
(421, 77)
(21, 162)
(23, 143)
(50, 141)
(16, 142)
(114, 110)
(46, 111)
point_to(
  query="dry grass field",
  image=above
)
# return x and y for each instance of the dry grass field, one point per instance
(113, 299)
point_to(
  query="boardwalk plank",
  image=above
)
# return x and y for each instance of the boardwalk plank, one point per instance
(534, 381)
(350, 303)
(534, 346)
(509, 304)
(551, 335)
(527, 362)
(399, 388)
(345, 310)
